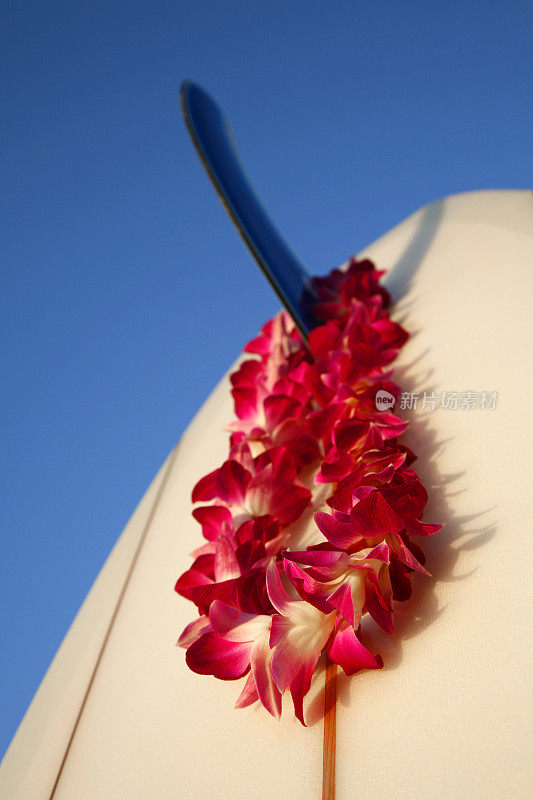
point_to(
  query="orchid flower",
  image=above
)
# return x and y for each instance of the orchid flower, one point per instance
(308, 525)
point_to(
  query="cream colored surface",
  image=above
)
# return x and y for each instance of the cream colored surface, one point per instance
(33, 761)
(450, 715)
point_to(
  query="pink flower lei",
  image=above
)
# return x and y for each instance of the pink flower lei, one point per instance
(311, 518)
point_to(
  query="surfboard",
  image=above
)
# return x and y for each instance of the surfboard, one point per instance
(119, 714)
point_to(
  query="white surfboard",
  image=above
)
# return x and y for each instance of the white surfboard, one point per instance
(119, 715)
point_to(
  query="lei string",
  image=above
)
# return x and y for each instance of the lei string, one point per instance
(309, 522)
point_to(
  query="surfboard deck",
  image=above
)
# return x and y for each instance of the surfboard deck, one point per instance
(119, 714)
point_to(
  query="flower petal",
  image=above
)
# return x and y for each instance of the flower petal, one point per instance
(267, 690)
(228, 484)
(236, 626)
(193, 630)
(249, 693)
(340, 533)
(348, 652)
(277, 593)
(211, 518)
(300, 686)
(212, 655)
(226, 564)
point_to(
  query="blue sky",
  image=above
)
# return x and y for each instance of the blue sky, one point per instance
(126, 293)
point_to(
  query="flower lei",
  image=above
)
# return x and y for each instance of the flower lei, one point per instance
(315, 507)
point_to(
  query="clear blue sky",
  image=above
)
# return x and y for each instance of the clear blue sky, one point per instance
(126, 292)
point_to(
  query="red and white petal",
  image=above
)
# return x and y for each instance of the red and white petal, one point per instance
(260, 661)
(399, 546)
(226, 564)
(300, 686)
(249, 693)
(234, 625)
(277, 592)
(373, 516)
(212, 655)
(339, 532)
(302, 641)
(212, 518)
(279, 408)
(193, 631)
(346, 650)
(229, 484)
